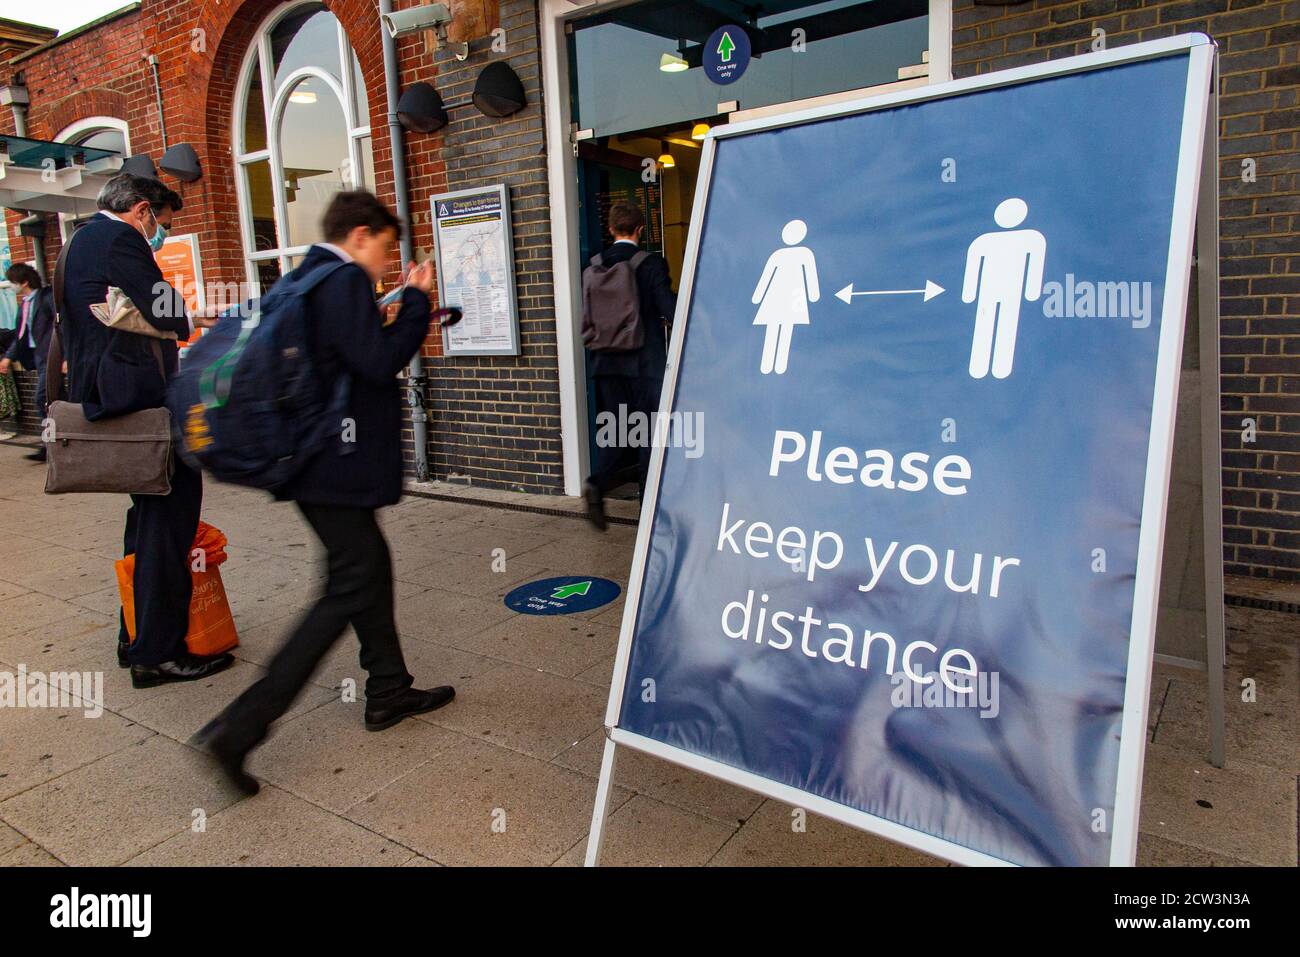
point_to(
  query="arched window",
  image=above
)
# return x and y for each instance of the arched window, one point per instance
(98, 132)
(302, 133)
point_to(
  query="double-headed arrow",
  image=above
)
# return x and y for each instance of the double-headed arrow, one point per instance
(931, 290)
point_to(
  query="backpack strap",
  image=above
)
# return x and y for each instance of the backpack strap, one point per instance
(598, 259)
(638, 257)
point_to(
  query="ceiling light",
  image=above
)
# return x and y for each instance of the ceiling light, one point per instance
(302, 96)
(672, 63)
(666, 160)
(699, 131)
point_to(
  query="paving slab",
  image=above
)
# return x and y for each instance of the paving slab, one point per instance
(484, 805)
(275, 829)
(772, 837)
(647, 833)
(524, 710)
(41, 744)
(329, 758)
(114, 809)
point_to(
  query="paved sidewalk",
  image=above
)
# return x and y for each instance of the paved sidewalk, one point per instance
(521, 743)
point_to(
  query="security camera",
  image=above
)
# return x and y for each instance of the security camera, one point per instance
(405, 22)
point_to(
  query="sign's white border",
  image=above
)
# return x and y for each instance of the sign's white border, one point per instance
(507, 251)
(1201, 52)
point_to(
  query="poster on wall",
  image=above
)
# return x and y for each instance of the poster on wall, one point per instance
(476, 270)
(183, 269)
(910, 581)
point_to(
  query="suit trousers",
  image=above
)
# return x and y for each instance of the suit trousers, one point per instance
(359, 591)
(619, 463)
(160, 532)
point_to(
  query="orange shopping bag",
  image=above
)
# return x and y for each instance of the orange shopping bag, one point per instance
(212, 627)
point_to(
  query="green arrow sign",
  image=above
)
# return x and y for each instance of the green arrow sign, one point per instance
(725, 47)
(577, 588)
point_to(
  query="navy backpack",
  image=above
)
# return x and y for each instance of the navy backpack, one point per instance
(246, 405)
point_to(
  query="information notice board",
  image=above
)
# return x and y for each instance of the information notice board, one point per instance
(908, 579)
(474, 245)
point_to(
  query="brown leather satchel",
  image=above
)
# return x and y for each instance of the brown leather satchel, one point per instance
(126, 454)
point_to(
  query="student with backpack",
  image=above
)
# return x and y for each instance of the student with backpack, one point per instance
(356, 471)
(628, 303)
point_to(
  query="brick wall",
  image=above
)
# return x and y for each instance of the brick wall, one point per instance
(1259, 109)
(495, 420)
(492, 421)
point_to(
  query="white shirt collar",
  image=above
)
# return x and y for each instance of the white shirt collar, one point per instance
(632, 241)
(112, 215)
(337, 251)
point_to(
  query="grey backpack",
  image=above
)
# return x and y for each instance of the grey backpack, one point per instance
(611, 307)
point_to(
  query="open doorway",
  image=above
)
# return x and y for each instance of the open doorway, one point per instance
(627, 94)
(655, 170)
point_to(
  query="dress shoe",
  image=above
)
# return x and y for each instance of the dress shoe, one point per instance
(595, 505)
(37, 456)
(230, 762)
(122, 648)
(386, 712)
(185, 668)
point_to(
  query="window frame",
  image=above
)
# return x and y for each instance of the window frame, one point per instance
(275, 96)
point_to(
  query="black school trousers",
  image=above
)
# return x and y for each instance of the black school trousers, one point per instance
(359, 592)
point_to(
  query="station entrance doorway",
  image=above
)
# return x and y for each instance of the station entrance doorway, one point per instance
(641, 102)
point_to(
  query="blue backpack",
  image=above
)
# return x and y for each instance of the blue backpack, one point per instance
(246, 405)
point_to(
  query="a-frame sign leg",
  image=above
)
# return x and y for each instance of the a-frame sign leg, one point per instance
(1207, 272)
(600, 813)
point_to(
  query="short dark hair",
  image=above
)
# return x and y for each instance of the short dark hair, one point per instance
(168, 199)
(125, 190)
(625, 219)
(23, 274)
(357, 207)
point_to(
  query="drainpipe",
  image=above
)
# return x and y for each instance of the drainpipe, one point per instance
(16, 96)
(415, 373)
(157, 95)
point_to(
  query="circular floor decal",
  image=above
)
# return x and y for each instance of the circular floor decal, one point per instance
(562, 596)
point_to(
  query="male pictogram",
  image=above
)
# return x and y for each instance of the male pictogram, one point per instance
(1002, 269)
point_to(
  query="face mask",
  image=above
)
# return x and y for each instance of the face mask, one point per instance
(159, 234)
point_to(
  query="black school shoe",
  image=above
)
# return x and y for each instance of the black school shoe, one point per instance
(185, 668)
(386, 712)
(229, 762)
(595, 505)
(122, 648)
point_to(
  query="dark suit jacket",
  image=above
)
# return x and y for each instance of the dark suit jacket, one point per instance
(42, 324)
(347, 337)
(657, 306)
(113, 372)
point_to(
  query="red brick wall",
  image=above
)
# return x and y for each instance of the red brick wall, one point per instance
(492, 421)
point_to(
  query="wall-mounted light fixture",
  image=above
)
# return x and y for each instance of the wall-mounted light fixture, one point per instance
(182, 162)
(498, 90)
(421, 109)
(139, 165)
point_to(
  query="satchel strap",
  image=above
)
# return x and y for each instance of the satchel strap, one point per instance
(54, 361)
(54, 381)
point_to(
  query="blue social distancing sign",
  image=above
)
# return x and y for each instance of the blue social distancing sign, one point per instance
(904, 574)
(564, 595)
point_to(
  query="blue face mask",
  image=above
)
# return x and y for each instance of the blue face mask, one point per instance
(159, 234)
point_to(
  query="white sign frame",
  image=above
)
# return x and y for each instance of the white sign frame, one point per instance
(508, 252)
(1190, 182)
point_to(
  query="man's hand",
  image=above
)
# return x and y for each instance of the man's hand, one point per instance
(420, 277)
(206, 317)
(4, 366)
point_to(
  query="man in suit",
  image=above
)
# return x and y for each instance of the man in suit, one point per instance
(31, 342)
(342, 487)
(631, 379)
(113, 373)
